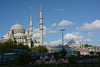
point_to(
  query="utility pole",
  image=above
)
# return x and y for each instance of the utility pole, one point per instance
(62, 36)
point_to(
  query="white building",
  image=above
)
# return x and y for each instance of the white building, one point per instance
(74, 44)
(18, 34)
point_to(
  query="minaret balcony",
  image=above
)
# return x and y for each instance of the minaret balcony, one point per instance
(41, 28)
(41, 23)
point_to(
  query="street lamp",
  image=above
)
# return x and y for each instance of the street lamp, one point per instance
(62, 36)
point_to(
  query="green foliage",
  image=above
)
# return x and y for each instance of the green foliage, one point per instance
(55, 54)
(86, 45)
(60, 54)
(91, 52)
(76, 52)
(98, 53)
(66, 45)
(39, 49)
(11, 45)
(63, 52)
(72, 59)
(23, 47)
(7, 45)
(24, 58)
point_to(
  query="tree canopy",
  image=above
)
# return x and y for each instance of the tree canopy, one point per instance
(63, 52)
(9, 44)
(86, 45)
(24, 58)
(39, 49)
(76, 52)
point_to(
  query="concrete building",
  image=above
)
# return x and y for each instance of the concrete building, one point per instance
(52, 49)
(86, 51)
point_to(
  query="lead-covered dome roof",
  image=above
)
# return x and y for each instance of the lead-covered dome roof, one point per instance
(17, 26)
(19, 34)
(6, 36)
(70, 42)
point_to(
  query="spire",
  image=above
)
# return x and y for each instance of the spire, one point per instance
(79, 42)
(31, 17)
(17, 21)
(31, 20)
(86, 41)
(41, 7)
(41, 13)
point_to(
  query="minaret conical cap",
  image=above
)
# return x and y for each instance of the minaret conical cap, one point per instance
(17, 21)
(41, 7)
(31, 17)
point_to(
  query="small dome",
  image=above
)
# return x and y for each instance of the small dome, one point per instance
(6, 36)
(70, 42)
(17, 26)
(19, 34)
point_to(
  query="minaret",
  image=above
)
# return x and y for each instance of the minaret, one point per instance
(79, 42)
(41, 26)
(31, 30)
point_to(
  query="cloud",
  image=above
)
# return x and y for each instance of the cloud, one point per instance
(73, 35)
(92, 26)
(56, 42)
(36, 33)
(31, 8)
(89, 33)
(65, 23)
(53, 25)
(88, 40)
(45, 43)
(58, 9)
(67, 37)
(52, 31)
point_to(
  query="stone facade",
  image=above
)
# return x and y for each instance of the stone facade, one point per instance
(18, 34)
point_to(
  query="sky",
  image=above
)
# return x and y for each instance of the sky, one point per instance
(79, 18)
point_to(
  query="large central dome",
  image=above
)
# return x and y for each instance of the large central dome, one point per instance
(17, 26)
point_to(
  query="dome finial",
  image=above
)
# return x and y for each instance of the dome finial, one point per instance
(17, 21)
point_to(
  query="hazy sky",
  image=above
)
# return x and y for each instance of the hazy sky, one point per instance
(79, 18)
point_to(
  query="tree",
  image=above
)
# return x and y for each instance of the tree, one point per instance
(39, 49)
(86, 45)
(63, 52)
(9, 44)
(66, 45)
(24, 58)
(98, 53)
(55, 54)
(92, 53)
(72, 59)
(23, 47)
(76, 52)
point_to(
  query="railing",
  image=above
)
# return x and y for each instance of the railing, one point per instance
(54, 65)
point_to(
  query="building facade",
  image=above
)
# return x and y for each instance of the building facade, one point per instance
(18, 34)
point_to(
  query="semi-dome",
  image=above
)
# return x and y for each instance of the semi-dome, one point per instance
(17, 26)
(19, 34)
(6, 36)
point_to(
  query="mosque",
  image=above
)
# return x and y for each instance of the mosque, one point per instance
(18, 34)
